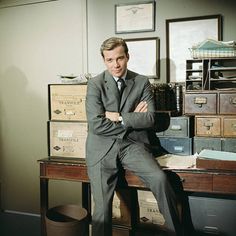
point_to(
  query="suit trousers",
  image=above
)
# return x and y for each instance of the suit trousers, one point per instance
(104, 175)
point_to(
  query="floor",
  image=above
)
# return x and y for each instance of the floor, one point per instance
(29, 225)
(19, 225)
(12, 224)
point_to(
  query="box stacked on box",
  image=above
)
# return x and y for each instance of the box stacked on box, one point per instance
(177, 139)
(67, 127)
(67, 102)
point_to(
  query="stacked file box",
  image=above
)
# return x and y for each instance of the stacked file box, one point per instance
(177, 139)
(67, 126)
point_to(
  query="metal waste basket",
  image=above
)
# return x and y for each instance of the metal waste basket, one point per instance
(67, 220)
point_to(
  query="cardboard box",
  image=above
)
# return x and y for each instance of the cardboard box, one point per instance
(149, 210)
(67, 102)
(67, 139)
(121, 207)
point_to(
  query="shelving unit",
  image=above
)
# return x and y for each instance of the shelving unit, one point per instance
(222, 73)
(210, 74)
(196, 71)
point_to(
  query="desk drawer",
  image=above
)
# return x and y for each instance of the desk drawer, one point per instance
(69, 172)
(196, 182)
(224, 184)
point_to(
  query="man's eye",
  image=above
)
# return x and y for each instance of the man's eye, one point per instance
(121, 58)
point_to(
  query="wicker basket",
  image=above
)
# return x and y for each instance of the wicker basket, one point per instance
(219, 52)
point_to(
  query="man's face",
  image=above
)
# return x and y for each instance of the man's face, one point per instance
(116, 61)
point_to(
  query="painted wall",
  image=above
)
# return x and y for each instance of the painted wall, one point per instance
(38, 42)
(101, 24)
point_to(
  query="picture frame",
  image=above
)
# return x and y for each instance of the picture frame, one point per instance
(131, 18)
(181, 35)
(144, 56)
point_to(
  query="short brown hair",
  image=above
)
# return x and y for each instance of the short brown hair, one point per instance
(113, 42)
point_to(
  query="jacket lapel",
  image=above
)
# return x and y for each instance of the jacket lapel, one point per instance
(112, 91)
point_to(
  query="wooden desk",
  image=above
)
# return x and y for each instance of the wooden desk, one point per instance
(192, 180)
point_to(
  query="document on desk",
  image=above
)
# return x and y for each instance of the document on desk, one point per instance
(177, 161)
(217, 155)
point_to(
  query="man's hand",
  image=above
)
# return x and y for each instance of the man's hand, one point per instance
(113, 116)
(142, 107)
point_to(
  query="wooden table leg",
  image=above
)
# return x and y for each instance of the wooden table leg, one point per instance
(86, 202)
(43, 204)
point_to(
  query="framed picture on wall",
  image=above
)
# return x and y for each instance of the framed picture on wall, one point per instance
(130, 18)
(181, 35)
(144, 56)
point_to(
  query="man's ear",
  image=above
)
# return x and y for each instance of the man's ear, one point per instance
(127, 56)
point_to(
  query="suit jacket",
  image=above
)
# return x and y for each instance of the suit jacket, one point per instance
(103, 95)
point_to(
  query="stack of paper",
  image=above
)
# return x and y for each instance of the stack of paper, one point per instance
(217, 155)
(213, 48)
(176, 161)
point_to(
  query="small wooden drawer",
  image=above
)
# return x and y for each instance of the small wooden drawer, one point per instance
(200, 103)
(208, 126)
(227, 103)
(196, 182)
(225, 184)
(229, 126)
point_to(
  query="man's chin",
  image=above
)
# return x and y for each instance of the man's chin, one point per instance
(117, 74)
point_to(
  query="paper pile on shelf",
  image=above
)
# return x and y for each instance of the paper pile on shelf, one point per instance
(211, 48)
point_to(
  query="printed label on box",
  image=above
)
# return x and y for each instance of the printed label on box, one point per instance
(67, 139)
(67, 102)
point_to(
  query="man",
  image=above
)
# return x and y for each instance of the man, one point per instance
(118, 124)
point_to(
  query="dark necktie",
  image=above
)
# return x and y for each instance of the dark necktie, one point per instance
(121, 85)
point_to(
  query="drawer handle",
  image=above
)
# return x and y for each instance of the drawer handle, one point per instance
(175, 127)
(234, 126)
(232, 101)
(200, 101)
(208, 125)
(178, 148)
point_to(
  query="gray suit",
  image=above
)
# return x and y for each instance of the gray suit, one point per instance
(110, 145)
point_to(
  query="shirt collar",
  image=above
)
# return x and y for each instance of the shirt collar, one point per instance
(123, 77)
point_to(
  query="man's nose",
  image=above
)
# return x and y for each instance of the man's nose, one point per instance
(116, 63)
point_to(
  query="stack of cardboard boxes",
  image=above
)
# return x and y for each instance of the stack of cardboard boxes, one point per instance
(67, 127)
